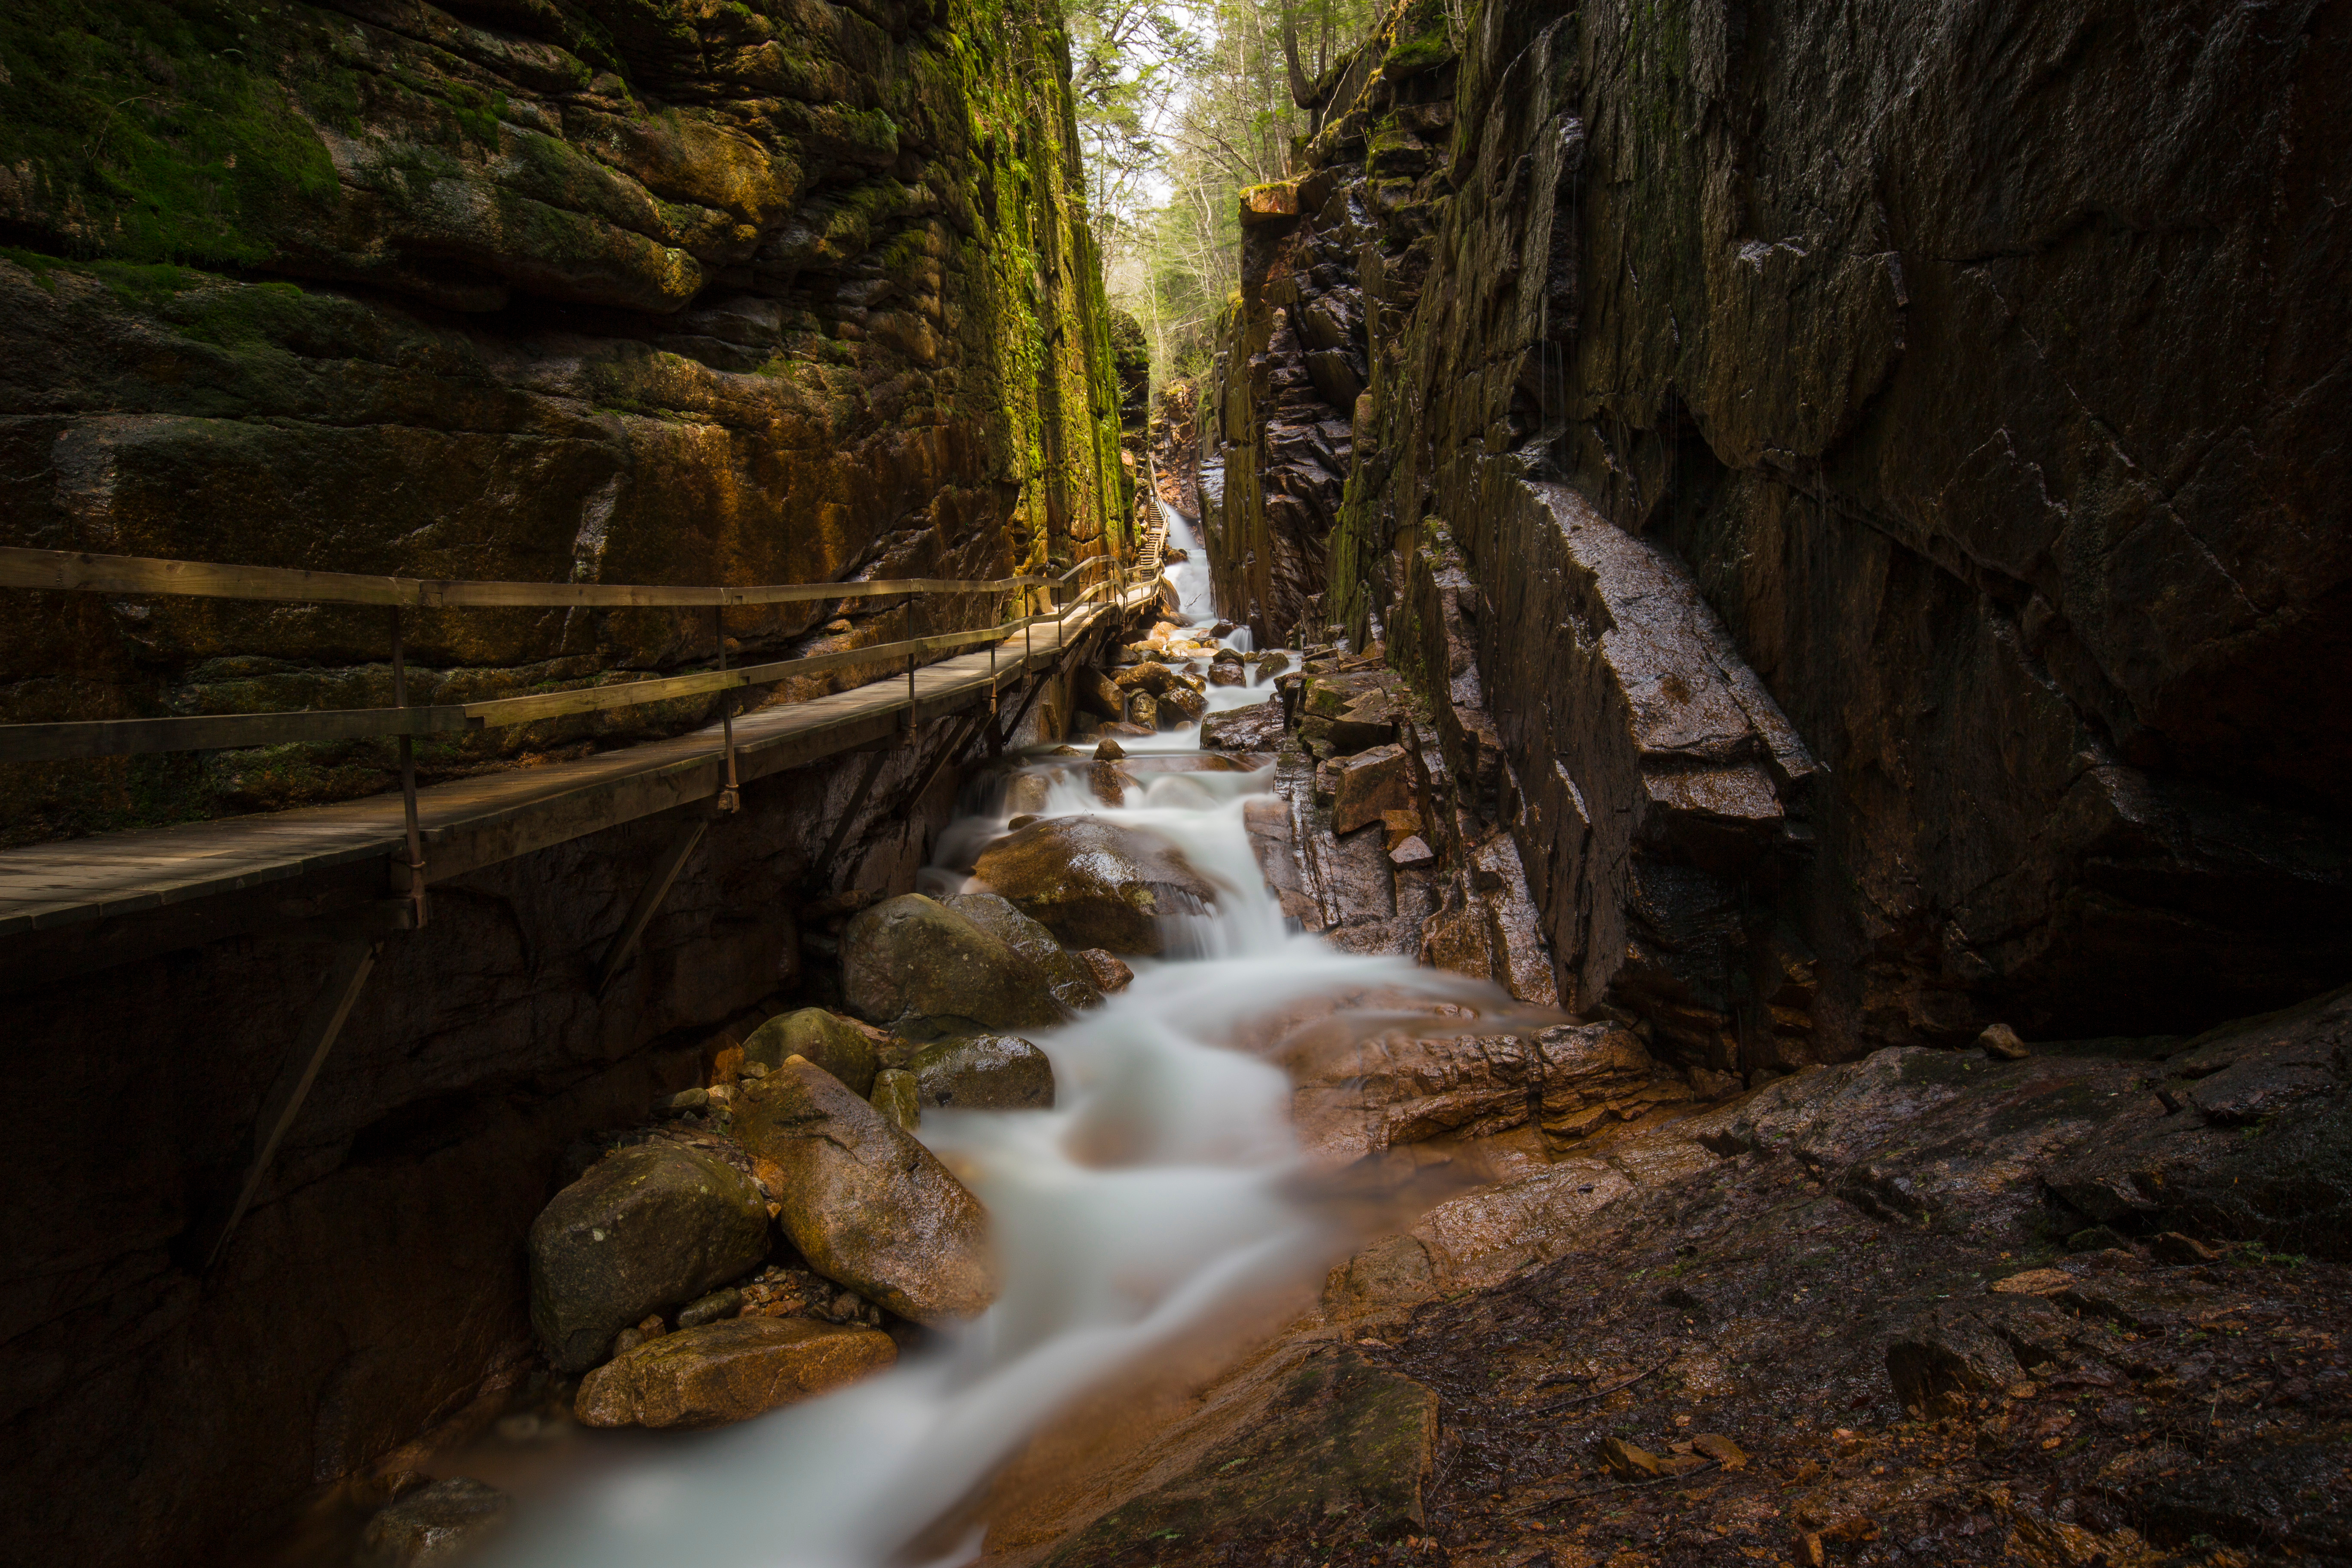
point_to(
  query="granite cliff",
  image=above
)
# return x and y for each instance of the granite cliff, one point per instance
(1859, 489)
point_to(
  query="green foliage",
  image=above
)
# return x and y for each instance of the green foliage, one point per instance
(1234, 124)
(155, 126)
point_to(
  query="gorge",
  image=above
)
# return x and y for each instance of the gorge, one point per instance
(1657, 875)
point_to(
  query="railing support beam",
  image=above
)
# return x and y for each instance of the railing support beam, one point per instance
(658, 882)
(329, 1010)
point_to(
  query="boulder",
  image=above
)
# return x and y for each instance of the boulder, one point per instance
(1108, 782)
(1026, 793)
(1110, 974)
(1227, 672)
(829, 1041)
(1142, 707)
(729, 1370)
(1258, 728)
(1181, 705)
(1093, 883)
(867, 1204)
(1271, 663)
(909, 959)
(1069, 980)
(1371, 785)
(1096, 693)
(649, 1228)
(440, 1523)
(983, 1072)
(1150, 676)
(895, 1099)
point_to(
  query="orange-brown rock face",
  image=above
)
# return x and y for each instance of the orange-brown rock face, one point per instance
(687, 293)
(729, 1370)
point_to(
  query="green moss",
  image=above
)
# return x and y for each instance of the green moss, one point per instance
(154, 126)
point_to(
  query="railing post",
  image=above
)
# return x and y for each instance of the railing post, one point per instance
(408, 773)
(730, 798)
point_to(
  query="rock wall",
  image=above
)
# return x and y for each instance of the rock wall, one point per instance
(1862, 483)
(617, 290)
(620, 290)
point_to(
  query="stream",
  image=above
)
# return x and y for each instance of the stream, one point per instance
(1161, 1187)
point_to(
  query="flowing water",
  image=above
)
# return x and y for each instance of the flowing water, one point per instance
(1104, 1256)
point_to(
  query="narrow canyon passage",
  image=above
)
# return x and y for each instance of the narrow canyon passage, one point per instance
(1176, 784)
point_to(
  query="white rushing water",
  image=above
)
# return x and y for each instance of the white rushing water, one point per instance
(1103, 1257)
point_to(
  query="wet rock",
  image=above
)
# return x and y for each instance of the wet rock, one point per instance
(896, 1099)
(1110, 752)
(1151, 676)
(1271, 664)
(1412, 851)
(1094, 883)
(867, 1204)
(1999, 1042)
(1371, 785)
(982, 1072)
(650, 1226)
(1110, 974)
(685, 1101)
(731, 1371)
(1097, 693)
(912, 959)
(1143, 709)
(1228, 672)
(1945, 1357)
(1071, 983)
(711, 1309)
(1255, 729)
(829, 1041)
(1181, 704)
(1108, 782)
(1026, 795)
(442, 1523)
(1323, 1436)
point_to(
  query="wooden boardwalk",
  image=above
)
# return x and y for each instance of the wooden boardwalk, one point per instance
(477, 822)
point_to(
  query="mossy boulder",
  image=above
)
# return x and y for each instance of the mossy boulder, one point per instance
(1095, 883)
(649, 1228)
(982, 1072)
(1070, 981)
(828, 1039)
(912, 962)
(868, 1205)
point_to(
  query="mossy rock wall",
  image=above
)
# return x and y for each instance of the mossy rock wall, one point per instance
(624, 291)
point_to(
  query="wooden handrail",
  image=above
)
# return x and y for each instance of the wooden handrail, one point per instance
(61, 569)
(226, 732)
(79, 572)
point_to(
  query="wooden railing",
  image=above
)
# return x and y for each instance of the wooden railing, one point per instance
(58, 568)
(362, 936)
